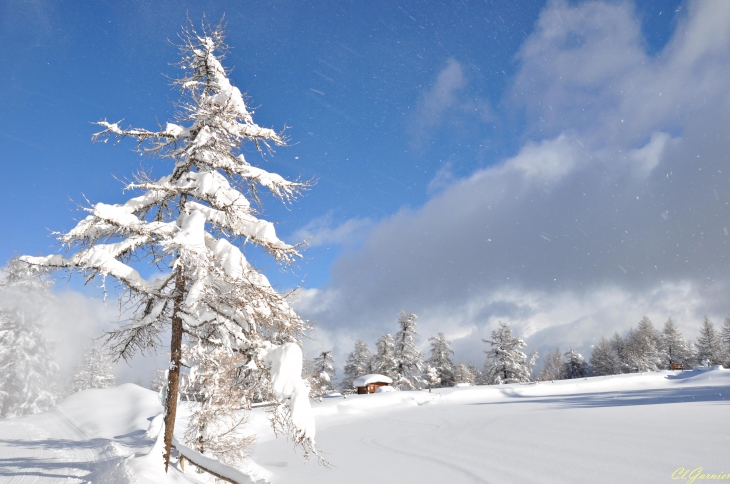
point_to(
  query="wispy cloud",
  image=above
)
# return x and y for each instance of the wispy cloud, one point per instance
(323, 231)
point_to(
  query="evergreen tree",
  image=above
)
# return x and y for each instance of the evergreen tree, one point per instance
(605, 359)
(193, 225)
(673, 348)
(506, 363)
(574, 366)
(94, 370)
(384, 361)
(553, 368)
(359, 363)
(321, 379)
(409, 361)
(462, 374)
(440, 359)
(709, 343)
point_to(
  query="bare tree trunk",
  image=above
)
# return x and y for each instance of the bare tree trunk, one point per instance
(173, 375)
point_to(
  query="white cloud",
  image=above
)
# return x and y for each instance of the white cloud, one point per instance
(442, 94)
(322, 231)
(617, 207)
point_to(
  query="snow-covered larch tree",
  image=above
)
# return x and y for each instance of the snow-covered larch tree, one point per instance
(322, 376)
(725, 339)
(709, 344)
(409, 360)
(215, 426)
(506, 363)
(605, 359)
(618, 343)
(94, 370)
(672, 347)
(440, 359)
(642, 347)
(192, 225)
(431, 377)
(384, 360)
(462, 374)
(27, 366)
(478, 376)
(553, 366)
(574, 366)
(358, 363)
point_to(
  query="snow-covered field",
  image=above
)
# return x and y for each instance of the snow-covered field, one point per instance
(627, 428)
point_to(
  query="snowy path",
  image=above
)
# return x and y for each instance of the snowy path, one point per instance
(630, 428)
(94, 436)
(47, 447)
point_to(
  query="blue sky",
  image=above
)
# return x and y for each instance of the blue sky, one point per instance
(540, 163)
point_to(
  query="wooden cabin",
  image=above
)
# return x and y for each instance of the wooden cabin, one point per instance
(370, 383)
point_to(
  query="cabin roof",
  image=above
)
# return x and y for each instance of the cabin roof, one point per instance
(372, 378)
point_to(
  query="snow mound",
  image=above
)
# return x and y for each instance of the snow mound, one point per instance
(372, 378)
(107, 436)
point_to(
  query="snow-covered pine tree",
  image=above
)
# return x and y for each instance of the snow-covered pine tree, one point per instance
(574, 366)
(195, 221)
(409, 361)
(358, 363)
(322, 377)
(384, 361)
(462, 374)
(604, 358)
(440, 359)
(27, 366)
(553, 367)
(673, 348)
(709, 344)
(94, 370)
(506, 363)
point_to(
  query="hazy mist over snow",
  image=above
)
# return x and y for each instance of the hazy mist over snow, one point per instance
(615, 207)
(71, 320)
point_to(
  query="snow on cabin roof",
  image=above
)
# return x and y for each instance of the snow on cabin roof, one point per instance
(372, 378)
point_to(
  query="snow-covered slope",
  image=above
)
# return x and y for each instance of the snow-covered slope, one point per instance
(98, 436)
(627, 428)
